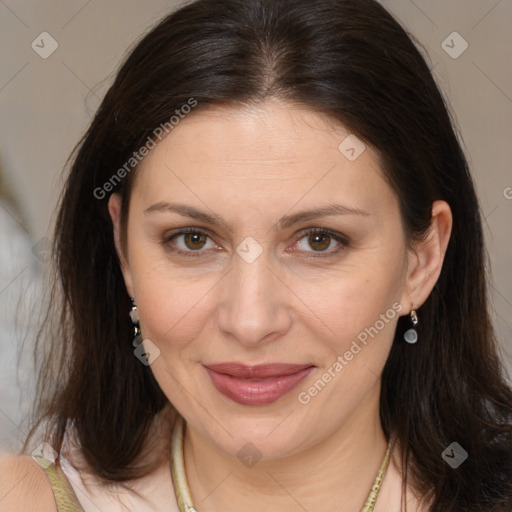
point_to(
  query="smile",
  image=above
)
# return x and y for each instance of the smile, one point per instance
(257, 385)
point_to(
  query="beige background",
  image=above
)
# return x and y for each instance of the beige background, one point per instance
(46, 104)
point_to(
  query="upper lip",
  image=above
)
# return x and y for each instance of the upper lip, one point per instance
(260, 371)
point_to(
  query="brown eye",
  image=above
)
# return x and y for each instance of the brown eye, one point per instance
(194, 241)
(189, 242)
(319, 242)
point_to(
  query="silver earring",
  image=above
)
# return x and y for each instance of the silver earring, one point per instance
(134, 317)
(411, 335)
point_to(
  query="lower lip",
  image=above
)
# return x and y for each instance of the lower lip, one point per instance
(256, 391)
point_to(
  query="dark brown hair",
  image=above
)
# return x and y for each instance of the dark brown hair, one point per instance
(350, 60)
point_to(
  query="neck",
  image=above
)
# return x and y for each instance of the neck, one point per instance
(336, 474)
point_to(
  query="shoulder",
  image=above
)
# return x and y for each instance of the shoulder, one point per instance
(24, 485)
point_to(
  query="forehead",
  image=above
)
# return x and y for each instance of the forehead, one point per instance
(273, 151)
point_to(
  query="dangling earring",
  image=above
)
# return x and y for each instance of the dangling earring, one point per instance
(411, 335)
(134, 317)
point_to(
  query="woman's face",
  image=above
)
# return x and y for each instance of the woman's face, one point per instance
(249, 285)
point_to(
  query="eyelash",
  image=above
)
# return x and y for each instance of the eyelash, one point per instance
(342, 240)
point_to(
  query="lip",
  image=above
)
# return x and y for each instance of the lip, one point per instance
(256, 385)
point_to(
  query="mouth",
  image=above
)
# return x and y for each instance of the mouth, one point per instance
(256, 385)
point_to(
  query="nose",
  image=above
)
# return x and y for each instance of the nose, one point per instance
(254, 303)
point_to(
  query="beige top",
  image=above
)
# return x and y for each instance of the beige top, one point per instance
(76, 490)
(65, 496)
(77, 493)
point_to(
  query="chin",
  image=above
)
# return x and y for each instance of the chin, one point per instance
(270, 437)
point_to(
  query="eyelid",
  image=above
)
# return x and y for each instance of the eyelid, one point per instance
(183, 231)
(342, 240)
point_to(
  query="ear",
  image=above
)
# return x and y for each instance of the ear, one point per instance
(425, 259)
(114, 209)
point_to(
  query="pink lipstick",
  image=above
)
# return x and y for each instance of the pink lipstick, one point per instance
(256, 385)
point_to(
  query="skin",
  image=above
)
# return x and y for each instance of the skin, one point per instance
(251, 166)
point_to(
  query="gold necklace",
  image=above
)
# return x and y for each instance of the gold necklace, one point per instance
(182, 490)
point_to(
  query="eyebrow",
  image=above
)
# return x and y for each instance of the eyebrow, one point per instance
(285, 222)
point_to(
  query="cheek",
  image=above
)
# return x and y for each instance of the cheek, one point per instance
(359, 313)
(173, 305)
(363, 331)
(363, 321)
(357, 300)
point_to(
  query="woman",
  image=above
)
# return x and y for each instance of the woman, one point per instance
(272, 271)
